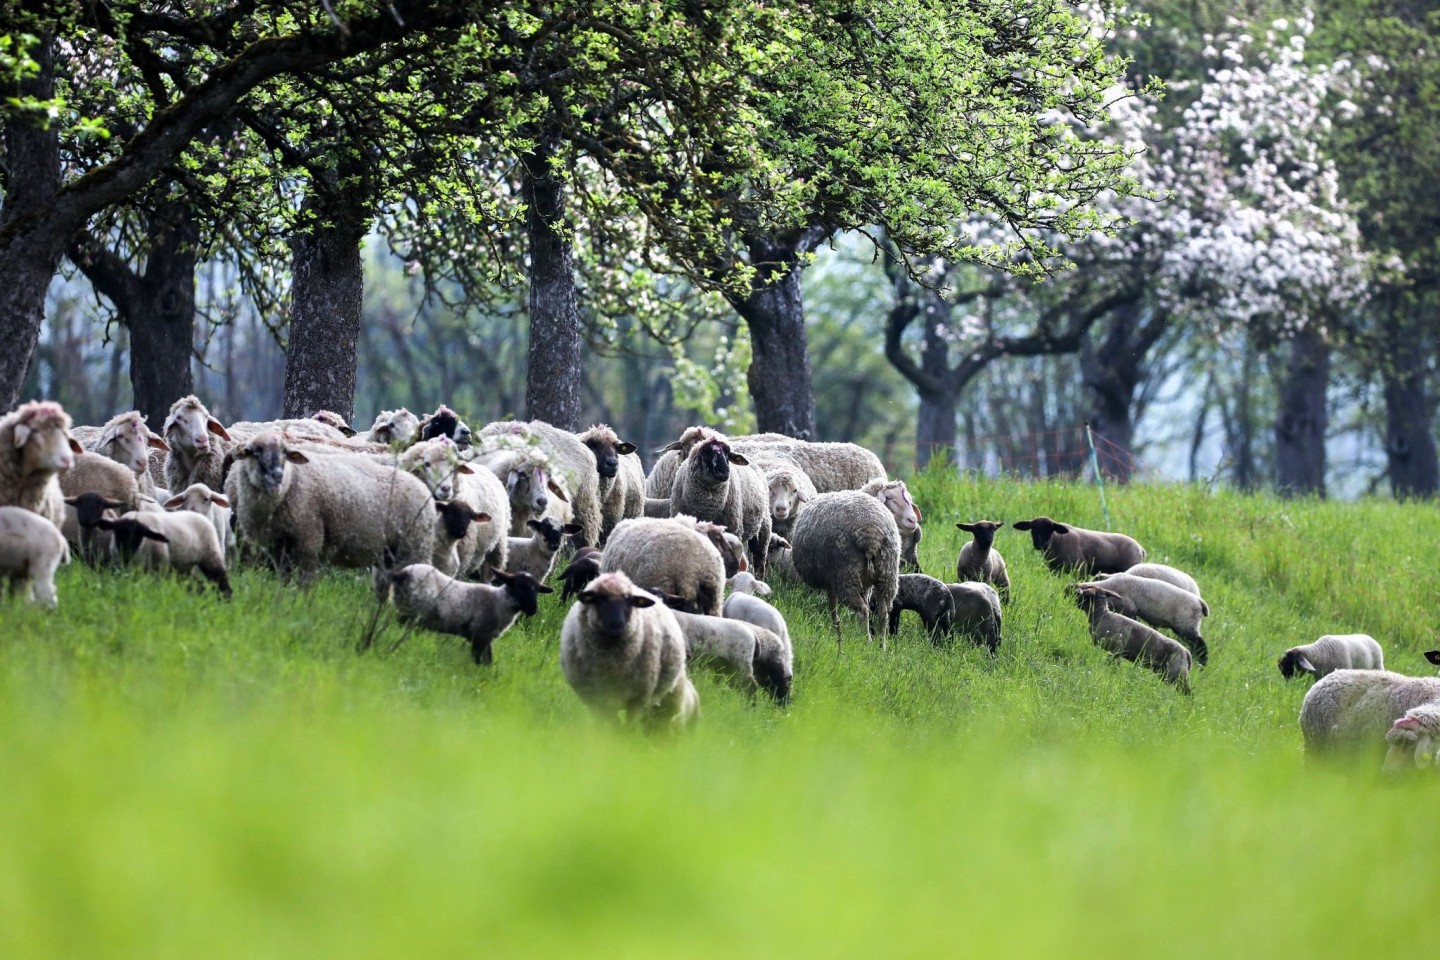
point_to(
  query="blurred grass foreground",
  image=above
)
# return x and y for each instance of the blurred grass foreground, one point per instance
(181, 777)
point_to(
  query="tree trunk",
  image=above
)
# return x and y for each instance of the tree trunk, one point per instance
(779, 376)
(1301, 421)
(553, 370)
(32, 161)
(936, 430)
(1241, 426)
(326, 294)
(1409, 443)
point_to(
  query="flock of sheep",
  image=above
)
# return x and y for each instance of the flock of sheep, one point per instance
(462, 530)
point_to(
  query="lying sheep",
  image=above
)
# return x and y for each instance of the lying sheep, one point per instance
(847, 544)
(621, 485)
(670, 556)
(198, 446)
(1165, 605)
(182, 541)
(1113, 628)
(621, 649)
(1414, 739)
(82, 513)
(536, 554)
(1343, 651)
(128, 441)
(1352, 710)
(926, 596)
(744, 603)
(583, 567)
(198, 498)
(476, 611)
(977, 615)
(979, 560)
(1087, 551)
(717, 484)
(31, 549)
(1160, 571)
(393, 427)
(35, 448)
(342, 509)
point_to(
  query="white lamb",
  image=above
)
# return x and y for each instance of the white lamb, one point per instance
(31, 548)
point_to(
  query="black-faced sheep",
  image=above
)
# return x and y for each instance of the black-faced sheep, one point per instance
(1088, 552)
(621, 477)
(181, 541)
(81, 530)
(1113, 628)
(1344, 651)
(536, 554)
(483, 544)
(717, 484)
(31, 548)
(926, 596)
(476, 611)
(445, 422)
(1352, 710)
(847, 545)
(979, 560)
(1165, 605)
(977, 615)
(583, 567)
(35, 448)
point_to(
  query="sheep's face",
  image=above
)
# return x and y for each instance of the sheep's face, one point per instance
(446, 423)
(130, 533)
(527, 488)
(1294, 663)
(90, 508)
(1414, 738)
(394, 426)
(436, 463)
(553, 532)
(1041, 530)
(524, 589)
(785, 496)
(610, 599)
(608, 449)
(772, 676)
(189, 427)
(197, 498)
(46, 450)
(897, 500)
(332, 419)
(129, 444)
(983, 531)
(714, 458)
(743, 581)
(454, 518)
(265, 458)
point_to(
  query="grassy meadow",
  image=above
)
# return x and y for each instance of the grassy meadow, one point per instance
(182, 777)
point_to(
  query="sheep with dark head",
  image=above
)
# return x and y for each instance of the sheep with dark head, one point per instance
(476, 611)
(979, 560)
(717, 484)
(1088, 552)
(1113, 627)
(621, 486)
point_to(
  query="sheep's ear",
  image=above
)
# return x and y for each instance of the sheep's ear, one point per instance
(999, 524)
(1023, 524)
(174, 502)
(219, 501)
(570, 529)
(478, 517)
(1056, 528)
(919, 517)
(1433, 656)
(779, 541)
(738, 459)
(967, 527)
(22, 433)
(347, 430)
(295, 456)
(556, 489)
(541, 588)
(105, 523)
(762, 588)
(217, 428)
(154, 535)
(639, 600)
(674, 445)
(74, 445)
(1303, 662)
(464, 468)
(72, 501)
(158, 442)
(533, 524)
(626, 447)
(801, 497)
(587, 596)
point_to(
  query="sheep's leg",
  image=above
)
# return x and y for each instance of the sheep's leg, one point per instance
(835, 620)
(480, 651)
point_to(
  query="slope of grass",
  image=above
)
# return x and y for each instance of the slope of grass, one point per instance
(182, 777)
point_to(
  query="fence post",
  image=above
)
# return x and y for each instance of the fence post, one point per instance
(1099, 480)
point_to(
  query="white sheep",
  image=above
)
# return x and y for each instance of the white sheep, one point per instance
(35, 448)
(744, 603)
(1342, 651)
(1414, 738)
(128, 441)
(1165, 605)
(1160, 571)
(621, 649)
(198, 446)
(524, 471)
(979, 560)
(790, 489)
(478, 612)
(397, 427)
(717, 484)
(180, 541)
(832, 467)
(671, 556)
(896, 497)
(1352, 710)
(536, 554)
(198, 498)
(31, 548)
(847, 544)
(476, 542)
(571, 461)
(728, 645)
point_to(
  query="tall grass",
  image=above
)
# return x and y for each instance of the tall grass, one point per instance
(182, 777)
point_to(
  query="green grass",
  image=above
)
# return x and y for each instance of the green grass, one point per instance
(180, 777)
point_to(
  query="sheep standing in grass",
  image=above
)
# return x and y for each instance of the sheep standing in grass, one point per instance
(744, 603)
(1087, 551)
(572, 463)
(977, 613)
(478, 612)
(717, 484)
(536, 554)
(523, 470)
(669, 556)
(1344, 651)
(979, 560)
(728, 645)
(847, 544)
(182, 541)
(35, 448)
(1414, 738)
(1352, 710)
(896, 497)
(1165, 605)
(198, 498)
(621, 485)
(1113, 628)
(926, 596)
(31, 549)
(82, 515)
(790, 489)
(1160, 571)
(832, 467)
(621, 649)
(583, 567)
(93, 473)
(198, 446)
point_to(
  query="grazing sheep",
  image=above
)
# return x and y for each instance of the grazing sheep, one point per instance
(572, 463)
(744, 603)
(198, 446)
(832, 467)
(847, 545)
(181, 541)
(727, 644)
(1352, 710)
(535, 554)
(82, 512)
(670, 556)
(1113, 628)
(31, 548)
(198, 498)
(1414, 738)
(393, 427)
(128, 441)
(343, 509)
(1160, 571)
(584, 567)
(621, 649)
(445, 422)
(93, 473)
(1165, 605)
(926, 596)
(977, 613)
(1087, 551)
(621, 485)
(979, 560)
(477, 544)
(774, 663)
(1433, 656)
(1342, 651)
(35, 448)
(790, 489)
(717, 484)
(478, 612)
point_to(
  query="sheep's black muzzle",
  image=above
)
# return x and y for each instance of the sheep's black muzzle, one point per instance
(715, 459)
(612, 617)
(608, 465)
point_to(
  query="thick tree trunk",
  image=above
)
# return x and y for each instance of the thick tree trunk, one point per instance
(936, 430)
(28, 258)
(326, 294)
(1240, 428)
(1111, 371)
(1301, 421)
(1409, 441)
(779, 376)
(553, 371)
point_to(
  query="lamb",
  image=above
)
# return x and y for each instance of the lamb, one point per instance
(478, 612)
(926, 596)
(1414, 738)
(462, 545)
(847, 544)
(621, 486)
(584, 567)
(1160, 571)
(198, 498)
(1352, 710)
(790, 489)
(535, 555)
(453, 523)
(620, 649)
(93, 473)
(82, 512)
(744, 603)
(128, 441)
(1075, 548)
(1165, 605)
(717, 484)
(35, 448)
(832, 467)
(393, 428)
(1344, 651)
(572, 462)
(198, 446)
(979, 560)
(181, 541)
(728, 644)
(668, 555)
(977, 612)
(1113, 628)
(31, 549)
(774, 663)
(731, 550)
(343, 509)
